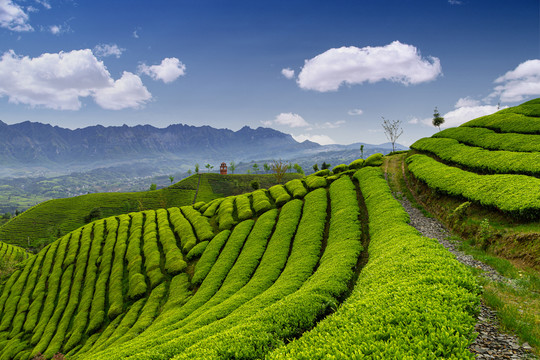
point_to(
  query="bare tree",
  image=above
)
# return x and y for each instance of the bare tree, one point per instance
(392, 130)
(279, 168)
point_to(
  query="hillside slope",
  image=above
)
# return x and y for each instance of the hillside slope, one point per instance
(240, 277)
(490, 170)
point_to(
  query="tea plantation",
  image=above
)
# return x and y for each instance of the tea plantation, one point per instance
(320, 267)
(493, 161)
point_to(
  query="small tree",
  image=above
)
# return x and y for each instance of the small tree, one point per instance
(392, 130)
(189, 172)
(209, 167)
(153, 187)
(279, 168)
(232, 166)
(256, 168)
(315, 168)
(196, 168)
(266, 168)
(171, 178)
(361, 151)
(298, 169)
(325, 166)
(438, 120)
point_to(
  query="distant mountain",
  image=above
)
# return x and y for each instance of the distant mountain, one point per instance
(42, 148)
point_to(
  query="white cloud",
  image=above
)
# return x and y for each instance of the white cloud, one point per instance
(44, 3)
(288, 73)
(291, 120)
(104, 50)
(394, 62)
(168, 71)
(12, 17)
(454, 2)
(355, 112)
(320, 139)
(414, 121)
(135, 34)
(466, 102)
(462, 114)
(519, 83)
(126, 92)
(330, 125)
(59, 81)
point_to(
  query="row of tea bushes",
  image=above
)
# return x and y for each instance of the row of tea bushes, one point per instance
(517, 195)
(481, 160)
(412, 300)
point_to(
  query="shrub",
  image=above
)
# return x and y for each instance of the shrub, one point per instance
(356, 164)
(339, 168)
(374, 160)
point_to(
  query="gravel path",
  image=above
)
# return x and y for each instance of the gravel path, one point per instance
(491, 343)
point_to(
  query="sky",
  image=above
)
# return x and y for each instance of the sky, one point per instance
(325, 71)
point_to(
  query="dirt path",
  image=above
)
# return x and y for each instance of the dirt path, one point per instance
(491, 342)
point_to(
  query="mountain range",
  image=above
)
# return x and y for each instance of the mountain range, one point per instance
(38, 147)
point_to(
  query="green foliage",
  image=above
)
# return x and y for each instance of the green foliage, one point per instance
(298, 169)
(507, 122)
(210, 208)
(478, 159)
(225, 217)
(315, 167)
(279, 194)
(489, 139)
(243, 206)
(153, 187)
(197, 251)
(296, 188)
(438, 120)
(323, 172)
(183, 230)
(325, 166)
(314, 182)
(356, 164)
(339, 168)
(433, 294)
(374, 160)
(209, 256)
(200, 224)
(261, 203)
(174, 261)
(514, 194)
(254, 184)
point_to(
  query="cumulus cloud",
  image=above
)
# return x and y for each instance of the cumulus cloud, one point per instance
(519, 83)
(168, 71)
(12, 17)
(355, 112)
(104, 50)
(126, 92)
(463, 114)
(414, 121)
(291, 120)
(59, 81)
(394, 62)
(288, 73)
(320, 139)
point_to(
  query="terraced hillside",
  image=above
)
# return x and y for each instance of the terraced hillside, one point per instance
(51, 219)
(249, 276)
(493, 161)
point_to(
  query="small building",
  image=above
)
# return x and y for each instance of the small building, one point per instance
(223, 169)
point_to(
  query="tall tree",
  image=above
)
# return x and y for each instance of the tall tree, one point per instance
(232, 166)
(256, 168)
(438, 120)
(392, 130)
(361, 151)
(196, 168)
(171, 178)
(209, 167)
(267, 168)
(298, 169)
(315, 168)
(325, 165)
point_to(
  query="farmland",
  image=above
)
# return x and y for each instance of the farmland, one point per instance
(323, 266)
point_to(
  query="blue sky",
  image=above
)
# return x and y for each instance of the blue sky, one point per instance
(320, 70)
